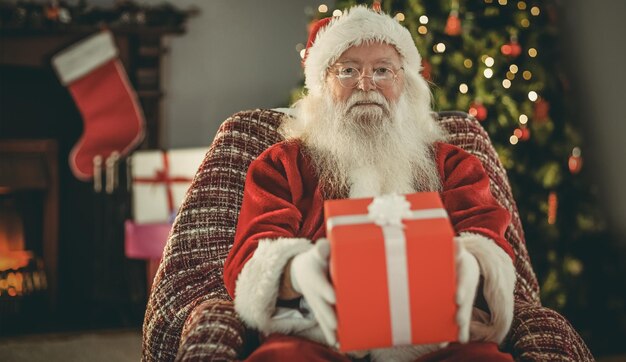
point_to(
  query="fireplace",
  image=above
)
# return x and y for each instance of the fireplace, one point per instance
(28, 225)
(70, 233)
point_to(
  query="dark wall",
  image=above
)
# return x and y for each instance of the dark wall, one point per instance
(594, 35)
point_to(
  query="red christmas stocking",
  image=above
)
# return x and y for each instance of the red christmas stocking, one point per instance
(113, 119)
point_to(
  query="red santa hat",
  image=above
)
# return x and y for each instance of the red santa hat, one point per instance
(330, 37)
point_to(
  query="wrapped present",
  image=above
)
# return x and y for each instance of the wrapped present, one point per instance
(145, 241)
(393, 269)
(160, 180)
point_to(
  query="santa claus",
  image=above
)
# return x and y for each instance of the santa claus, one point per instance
(365, 128)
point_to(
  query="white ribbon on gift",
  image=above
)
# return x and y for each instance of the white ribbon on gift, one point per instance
(388, 211)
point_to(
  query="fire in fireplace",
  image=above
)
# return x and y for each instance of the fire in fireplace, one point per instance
(28, 224)
(21, 273)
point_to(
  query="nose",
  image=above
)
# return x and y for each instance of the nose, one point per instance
(366, 83)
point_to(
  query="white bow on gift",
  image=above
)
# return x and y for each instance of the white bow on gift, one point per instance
(389, 210)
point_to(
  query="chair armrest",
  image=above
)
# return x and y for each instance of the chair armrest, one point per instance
(212, 332)
(541, 334)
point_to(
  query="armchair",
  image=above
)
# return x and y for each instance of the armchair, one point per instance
(191, 317)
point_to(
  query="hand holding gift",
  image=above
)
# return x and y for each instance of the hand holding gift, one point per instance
(309, 276)
(468, 276)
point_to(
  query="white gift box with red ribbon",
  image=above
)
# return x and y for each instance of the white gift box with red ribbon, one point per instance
(160, 180)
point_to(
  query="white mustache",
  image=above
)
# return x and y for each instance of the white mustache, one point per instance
(360, 97)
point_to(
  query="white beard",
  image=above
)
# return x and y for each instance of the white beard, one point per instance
(369, 150)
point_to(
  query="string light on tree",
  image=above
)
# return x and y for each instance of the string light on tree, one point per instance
(525, 23)
(527, 75)
(463, 88)
(423, 19)
(535, 11)
(467, 63)
(488, 73)
(399, 17)
(513, 140)
(523, 119)
(506, 83)
(532, 52)
(439, 47)
(422, 30)
(489, 61)
(300, 48)
(323, 8)
(337, 12)
(532, 95)
(521, 5)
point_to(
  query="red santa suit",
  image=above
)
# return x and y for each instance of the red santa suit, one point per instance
(282, 215)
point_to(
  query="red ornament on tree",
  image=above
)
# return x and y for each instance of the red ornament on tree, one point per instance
(542, 107)
(453, 25)
(575, 162)
(525, 134)
(512, 49)
(426, 70)
(478, 110)
(522, 133)
(376, 6)
(553, 205)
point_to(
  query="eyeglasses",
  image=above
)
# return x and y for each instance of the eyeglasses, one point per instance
(382, 77)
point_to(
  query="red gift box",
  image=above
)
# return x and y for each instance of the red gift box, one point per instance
(393, 269)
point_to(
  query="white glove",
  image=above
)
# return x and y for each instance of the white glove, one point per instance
(468, 277)
(309, 276)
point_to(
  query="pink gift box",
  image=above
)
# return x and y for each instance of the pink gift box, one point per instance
(145, 241)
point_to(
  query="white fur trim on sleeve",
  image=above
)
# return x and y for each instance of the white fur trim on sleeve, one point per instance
(84, 56)
(256, 291)
(498, 272)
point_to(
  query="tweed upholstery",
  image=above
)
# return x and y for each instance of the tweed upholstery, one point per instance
(191, 317)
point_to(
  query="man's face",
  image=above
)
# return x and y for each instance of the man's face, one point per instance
(367, 58)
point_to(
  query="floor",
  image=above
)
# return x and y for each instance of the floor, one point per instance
(97, 346)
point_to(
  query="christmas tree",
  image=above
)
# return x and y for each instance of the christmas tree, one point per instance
(501, 61)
